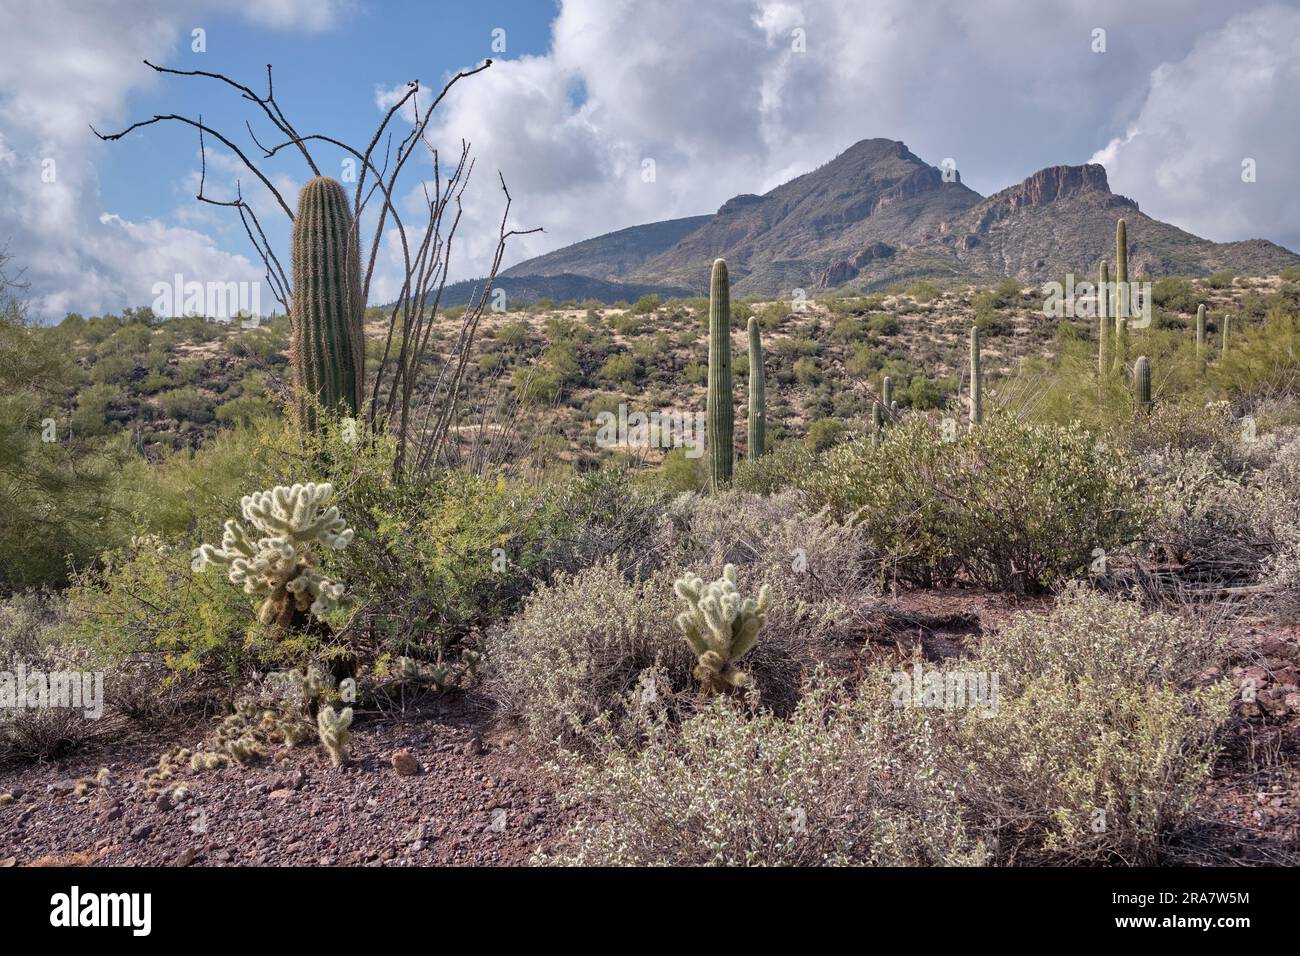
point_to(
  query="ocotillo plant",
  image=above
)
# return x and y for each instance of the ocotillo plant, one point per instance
(327, 349)
(720, 411)
(1103, 318)
(976, 379)
(757, 396)
(1200, 329)
(1142, 383)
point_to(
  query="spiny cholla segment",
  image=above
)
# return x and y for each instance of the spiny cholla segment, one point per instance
(721, 627)
(280, 563)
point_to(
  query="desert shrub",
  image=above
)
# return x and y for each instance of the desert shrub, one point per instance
(735, 788)
(1220, 280)
(1178, 295)
(29, 638)
(144, 602)
(774, 471)
(1114, 643)
(1085, 772)
(923, 291)
(812, 565)
(1008, 505)
(188, 404)
(577, 647)
(825, 433)
(602, 514)
(679, 473)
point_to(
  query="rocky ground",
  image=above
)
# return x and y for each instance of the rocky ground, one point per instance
(441, 785)
(471, 800)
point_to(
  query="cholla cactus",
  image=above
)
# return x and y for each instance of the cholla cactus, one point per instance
(333, 729)
(721, 627)
(281, 563)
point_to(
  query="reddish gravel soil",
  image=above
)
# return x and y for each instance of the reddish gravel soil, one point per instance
(475, 801)
(482, 799)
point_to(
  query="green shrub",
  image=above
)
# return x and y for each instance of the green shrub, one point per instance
(1008, 505)
(825, 433)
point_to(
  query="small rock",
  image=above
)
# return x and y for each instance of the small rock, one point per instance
(297, 779)
(405, 764)
(7, 862)
(417, 846)
(112, 812)
(187, 856)
(284, 793)
(474, 747)
(1292, 702)
(223, 856)
(163, 803)
(142, 831)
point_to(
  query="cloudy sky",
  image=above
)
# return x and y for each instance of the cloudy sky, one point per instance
(724, 97)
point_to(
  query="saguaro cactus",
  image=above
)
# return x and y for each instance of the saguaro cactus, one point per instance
(976, 379)
(757, 396)
(1226, 320)
(1121, 271)
(1200, 329)
(887, 394)
(720, 410)
(1103, 316)
(1142, 383)
(877, 423)
(721, 627)
(327, 349)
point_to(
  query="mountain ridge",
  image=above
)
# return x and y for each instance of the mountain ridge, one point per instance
(877, 214)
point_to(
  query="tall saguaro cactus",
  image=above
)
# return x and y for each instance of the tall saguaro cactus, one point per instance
(1121, 270)
(327, 348)
(1200, 330)
(1142, 383)
(1103, 317)
(1227, 319)
(757, 394)
(887, 394)
(721, 413)
(976, 379)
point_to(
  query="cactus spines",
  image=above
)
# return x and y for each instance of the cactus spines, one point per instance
(327, 347)
(757, 395)
(1103, 317)
(1142, 383)
(333, 729)
(720, 411)
(721, 627)
(1200, 329)
(278, 561)
(976, 378)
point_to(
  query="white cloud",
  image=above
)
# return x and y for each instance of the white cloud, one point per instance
(717, 95)
(1232, 97)
(64, 65)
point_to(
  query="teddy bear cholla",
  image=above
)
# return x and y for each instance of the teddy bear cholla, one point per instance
(280, 563)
